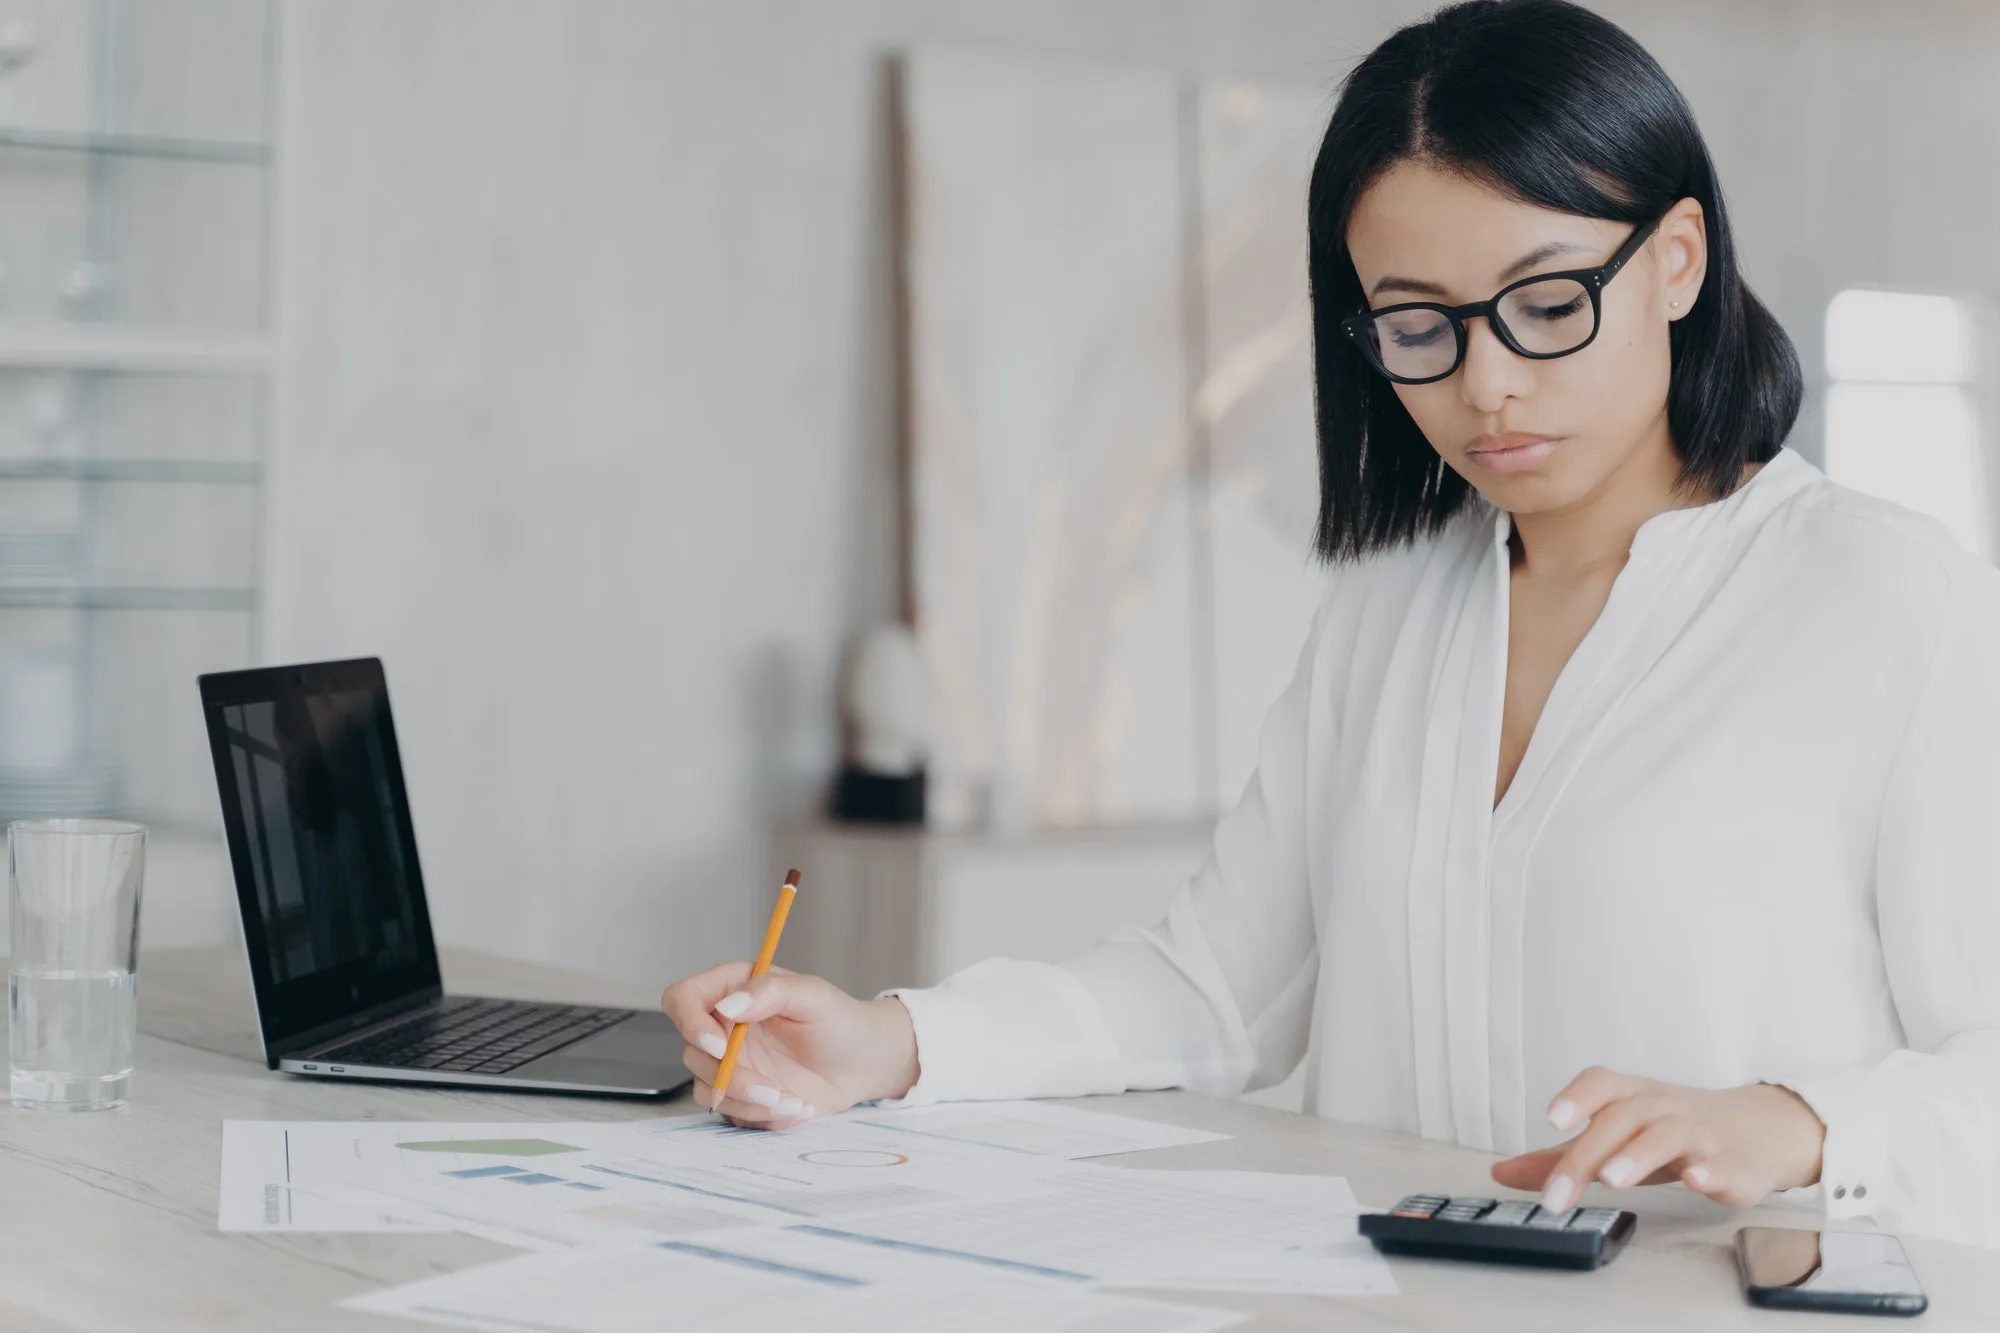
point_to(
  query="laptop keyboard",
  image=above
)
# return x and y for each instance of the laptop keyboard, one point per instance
(477, 1036)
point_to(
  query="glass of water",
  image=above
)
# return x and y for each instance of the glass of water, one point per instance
(73, 960)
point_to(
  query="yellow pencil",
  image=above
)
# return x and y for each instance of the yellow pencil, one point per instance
(757, 969)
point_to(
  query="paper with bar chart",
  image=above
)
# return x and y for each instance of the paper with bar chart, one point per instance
(899, 1205)
(293, 1175)
(1109, 1226)
(1025, 1129)
(721, 1284)
(1046, 1259)
(694, 1174)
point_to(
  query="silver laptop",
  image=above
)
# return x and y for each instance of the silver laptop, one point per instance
(334, 922)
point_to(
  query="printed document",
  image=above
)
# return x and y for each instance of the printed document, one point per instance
(741, 1281)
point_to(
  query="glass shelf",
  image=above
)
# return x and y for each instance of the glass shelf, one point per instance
(75, 345)
(136, 145)
(201, 471)
(128, 599)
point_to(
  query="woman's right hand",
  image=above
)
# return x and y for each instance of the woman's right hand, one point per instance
(812, 1049)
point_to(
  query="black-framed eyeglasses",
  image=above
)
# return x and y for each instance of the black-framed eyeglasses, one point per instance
(1541, 317)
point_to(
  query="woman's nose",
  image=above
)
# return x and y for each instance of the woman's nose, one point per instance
(1492, 373)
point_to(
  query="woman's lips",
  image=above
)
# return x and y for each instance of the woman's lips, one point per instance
(1510, 452)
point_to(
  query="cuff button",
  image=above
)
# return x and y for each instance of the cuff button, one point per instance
(1860, 1191)
(1840, 1191)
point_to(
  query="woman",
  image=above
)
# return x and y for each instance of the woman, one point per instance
(1635, 808)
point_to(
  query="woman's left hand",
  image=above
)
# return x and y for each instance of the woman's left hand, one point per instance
(1735, 1145)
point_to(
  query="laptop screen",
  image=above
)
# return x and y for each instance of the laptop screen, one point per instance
(321, 842)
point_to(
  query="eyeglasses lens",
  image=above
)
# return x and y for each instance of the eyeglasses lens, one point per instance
(1414, 344)
(1548, 317)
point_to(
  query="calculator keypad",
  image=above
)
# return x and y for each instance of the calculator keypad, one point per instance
(1595, 1219)
(1463, 1210)
(1512, 1213)
(1512, 1231)
(1544, 1220)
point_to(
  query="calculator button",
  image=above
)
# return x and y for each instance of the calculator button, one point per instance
(1479, 1204)
(1464, 1210)
(1510, 1214)
(1419, 1205)
(1548, 1221)
(1595, 1219)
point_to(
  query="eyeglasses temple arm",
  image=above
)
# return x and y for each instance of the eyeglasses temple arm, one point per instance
(1640, 235)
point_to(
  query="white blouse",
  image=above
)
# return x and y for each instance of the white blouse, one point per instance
(1755, 836)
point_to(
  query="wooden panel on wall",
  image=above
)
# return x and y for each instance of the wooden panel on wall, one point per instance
(1112, 461)
(1052, 538)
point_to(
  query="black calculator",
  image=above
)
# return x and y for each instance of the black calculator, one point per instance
(1513, 1232)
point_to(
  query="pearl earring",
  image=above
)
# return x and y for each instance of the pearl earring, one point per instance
(1675, 304)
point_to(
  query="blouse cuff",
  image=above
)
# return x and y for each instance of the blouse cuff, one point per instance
(1005, 1028)
(1853, 1171)
(945, 1027)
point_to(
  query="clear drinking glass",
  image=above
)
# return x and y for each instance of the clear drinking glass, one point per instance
(73, 963)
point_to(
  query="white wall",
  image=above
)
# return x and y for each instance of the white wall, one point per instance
(587, 424)
(586, 420)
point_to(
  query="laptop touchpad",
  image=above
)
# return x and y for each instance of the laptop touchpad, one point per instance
(646, 1038)
(643, 1051)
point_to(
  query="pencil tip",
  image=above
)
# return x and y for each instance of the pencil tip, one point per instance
(791, 879)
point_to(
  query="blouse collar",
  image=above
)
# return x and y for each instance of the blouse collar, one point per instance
(1782, 475)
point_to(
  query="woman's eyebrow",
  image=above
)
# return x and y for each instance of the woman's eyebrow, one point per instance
(1526, 262)
(1535, 256)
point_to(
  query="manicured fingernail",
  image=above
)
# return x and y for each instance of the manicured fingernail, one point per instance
(762, 1095)
(808, 1113)
(1558, 1194)
(1698, 1176)
(730, 1006)
(1563, 1114)
(1617, 1171)
(790, 1108)
(713, 1044)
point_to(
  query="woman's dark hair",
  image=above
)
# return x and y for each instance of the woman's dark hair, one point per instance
(1559, 107)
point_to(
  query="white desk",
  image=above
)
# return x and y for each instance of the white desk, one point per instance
(107, 1220)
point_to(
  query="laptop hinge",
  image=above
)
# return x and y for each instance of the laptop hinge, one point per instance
(351, 1024)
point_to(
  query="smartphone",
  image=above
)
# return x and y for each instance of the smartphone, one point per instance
(1861, 1272)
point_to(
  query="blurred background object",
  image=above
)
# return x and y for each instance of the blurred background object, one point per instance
(886, 704)
(607, 368)
(1909, 385)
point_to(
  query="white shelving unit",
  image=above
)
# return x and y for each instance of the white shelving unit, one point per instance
(135, 363)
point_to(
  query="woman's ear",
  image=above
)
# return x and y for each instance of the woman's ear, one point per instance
(1680, 249)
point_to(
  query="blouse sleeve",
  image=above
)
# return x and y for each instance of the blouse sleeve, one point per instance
(1914, 1141)
(1216, 998)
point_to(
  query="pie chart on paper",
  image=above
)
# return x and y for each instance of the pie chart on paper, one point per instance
(860, 1157)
